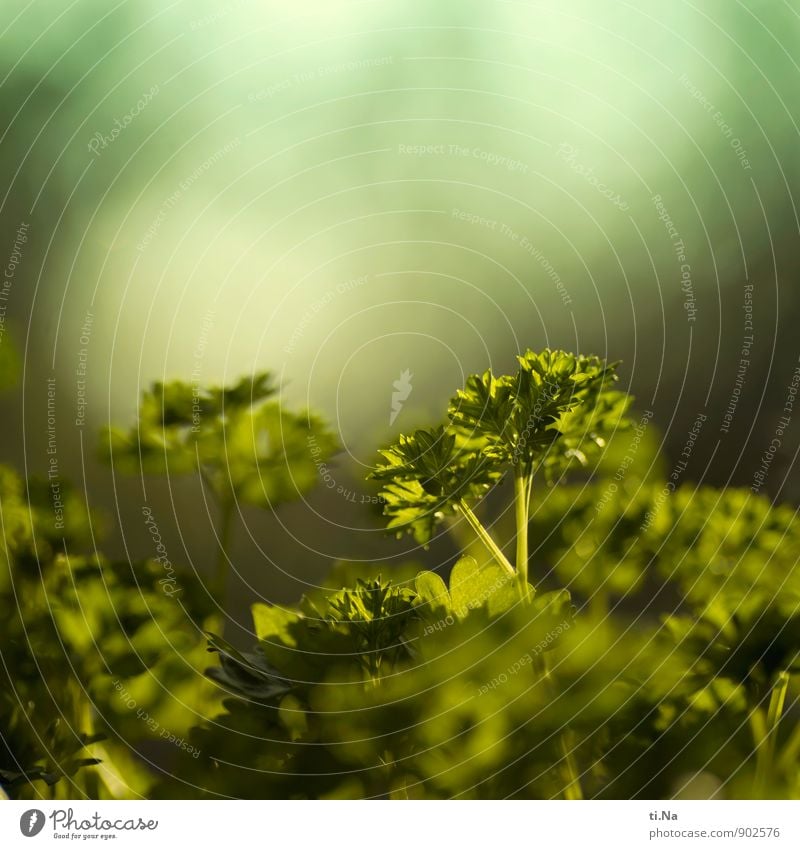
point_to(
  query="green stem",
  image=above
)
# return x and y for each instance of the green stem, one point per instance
(485, 537)
(227, 503)
(573, 789)
(521, 511)
(529, 491)
(103, 780)
(766, 732)
(791, 750)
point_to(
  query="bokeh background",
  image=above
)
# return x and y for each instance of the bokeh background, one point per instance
(344, 191)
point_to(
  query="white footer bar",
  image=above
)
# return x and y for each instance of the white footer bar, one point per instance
(401, 824)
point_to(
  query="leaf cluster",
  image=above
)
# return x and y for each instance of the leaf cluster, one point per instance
(244, 444)
(556, 411)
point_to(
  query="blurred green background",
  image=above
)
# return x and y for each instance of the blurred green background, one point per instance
(342, 192)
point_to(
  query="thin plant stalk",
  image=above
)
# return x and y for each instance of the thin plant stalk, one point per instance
(521, 515)
(791, 750)
(485, 537)
(105, 777)
(226, 505)
(766, 732)
(573, 790)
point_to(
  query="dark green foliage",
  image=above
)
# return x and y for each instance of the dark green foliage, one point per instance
(103, 657)
(247, 448)
(555, 410)
(428, 474)
(75, 625)
(642, 640)
(488, 688)
(465, 691)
